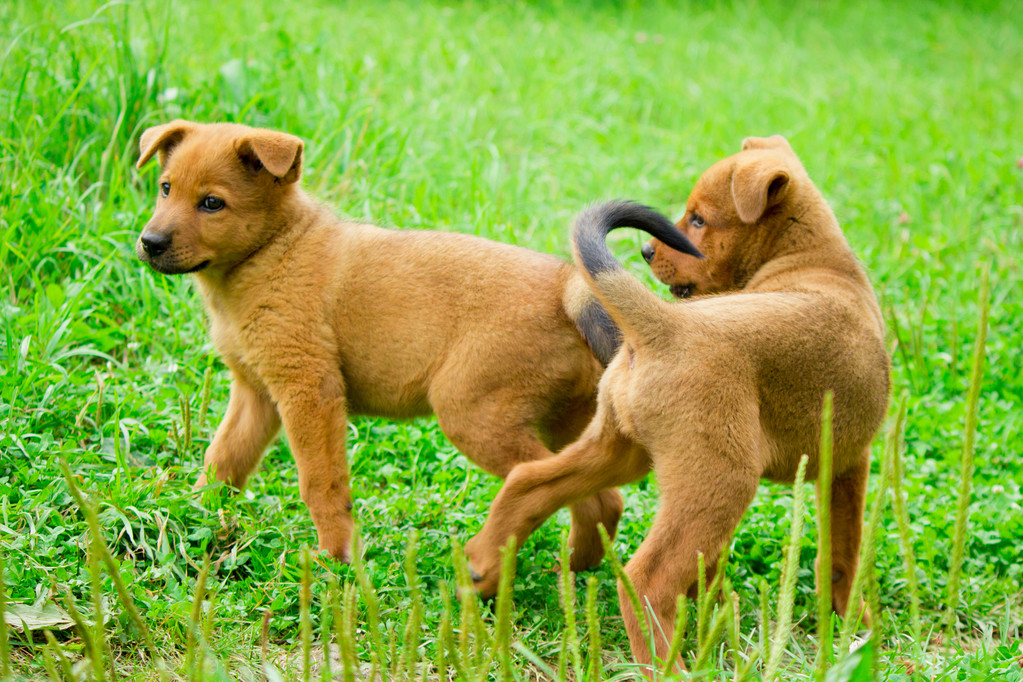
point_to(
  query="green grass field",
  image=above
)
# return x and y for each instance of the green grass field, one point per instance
(499, 120)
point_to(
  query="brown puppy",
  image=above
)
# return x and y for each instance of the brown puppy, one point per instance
(318, 318)
(716, 393)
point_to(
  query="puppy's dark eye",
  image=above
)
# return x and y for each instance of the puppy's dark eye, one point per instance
(212, 203)
(164, 189)
(696, 220)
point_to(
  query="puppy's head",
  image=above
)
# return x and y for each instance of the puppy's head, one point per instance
(219, 193)
(733, 216)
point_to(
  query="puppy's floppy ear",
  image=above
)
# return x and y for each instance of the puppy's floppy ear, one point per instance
(279, 153)
(773, 142)
(161, 139)
(758, 184)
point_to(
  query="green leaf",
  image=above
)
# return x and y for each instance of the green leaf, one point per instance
(858, 666)
(55, 294)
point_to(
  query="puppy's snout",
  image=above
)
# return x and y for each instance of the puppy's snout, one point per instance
(648, 252)
(155, 243)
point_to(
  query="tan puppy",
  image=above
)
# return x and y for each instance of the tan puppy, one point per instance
(716, 393)
(318, 318)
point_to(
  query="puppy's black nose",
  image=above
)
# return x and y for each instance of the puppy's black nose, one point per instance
(155, 243)
(648, 252)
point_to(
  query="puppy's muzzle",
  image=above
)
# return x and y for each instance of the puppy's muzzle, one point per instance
(154, 243)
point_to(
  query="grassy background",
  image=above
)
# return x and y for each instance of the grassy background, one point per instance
(501, 121)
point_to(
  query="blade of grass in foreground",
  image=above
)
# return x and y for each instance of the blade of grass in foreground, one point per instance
(98, 638)
(783, 628)
(5, 647)
(502, 634)
(595, 669)
(53, 649)
(191, 637)
(826, 649)
(413, 635)
(679, 637)
(902, 521)
(305, 616)
(630, 589)
(379, 650)
(966, 471)
(345, 626)
(92, 519)
(566, 585)
(327, 612)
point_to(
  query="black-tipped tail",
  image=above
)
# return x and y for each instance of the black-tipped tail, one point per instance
(593, 225)
(600, 331)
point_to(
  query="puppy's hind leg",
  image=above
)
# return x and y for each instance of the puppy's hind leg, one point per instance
(604, 508)
(247, 428)
(698, 513)
(848, 493)
(600, 459)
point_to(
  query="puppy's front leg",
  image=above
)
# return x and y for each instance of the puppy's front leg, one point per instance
(247, 428)
(314, 419)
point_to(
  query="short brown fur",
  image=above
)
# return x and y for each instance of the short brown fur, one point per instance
(318, 318)
(718, 392)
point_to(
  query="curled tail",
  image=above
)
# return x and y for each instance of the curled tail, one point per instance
(630, 304)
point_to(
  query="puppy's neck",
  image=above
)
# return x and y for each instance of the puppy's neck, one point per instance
(811, 241)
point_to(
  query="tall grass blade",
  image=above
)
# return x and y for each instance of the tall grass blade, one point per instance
(717, 627)
(345, 626)
(98, 632)
(192, 667)
(717, 583)
(783, 628)
(594, 668)
(329, 611)
(743, 671)
(305, 615)
(503, 626)
(124, 597)
(207, 624)
(413, 634)
(378, 649)
(5, 644)
(186, 425)
(902, 522)
(447, 649)
(826, 650)
(702, 617)
(566, 585)
(630, 589)
(966, 464)
(55, 650)
(204, 404)
(679, 637)
(473, 640)
(87, 633)
(765, 619)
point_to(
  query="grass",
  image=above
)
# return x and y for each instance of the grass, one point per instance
(501, 121)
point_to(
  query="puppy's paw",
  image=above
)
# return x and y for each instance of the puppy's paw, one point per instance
(605, 508)
(484, 567)
(342, 551)
(200, 482)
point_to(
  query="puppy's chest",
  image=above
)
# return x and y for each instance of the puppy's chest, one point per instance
(246, 346)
